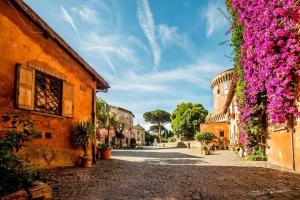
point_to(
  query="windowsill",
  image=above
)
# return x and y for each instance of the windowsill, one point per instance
(46, 114)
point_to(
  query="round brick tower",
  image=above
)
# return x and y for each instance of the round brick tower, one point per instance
(220, 85)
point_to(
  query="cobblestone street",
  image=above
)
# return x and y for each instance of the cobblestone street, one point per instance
(173, 174)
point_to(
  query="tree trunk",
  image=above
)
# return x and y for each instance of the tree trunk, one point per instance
(159, 133)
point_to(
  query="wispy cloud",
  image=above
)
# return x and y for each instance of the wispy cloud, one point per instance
(88, 15)
(198, 74)
(170, 36)
(67, 17)
(146, 22)
(114, 45)
(214, 19)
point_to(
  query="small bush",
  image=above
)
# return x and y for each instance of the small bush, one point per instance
(14, 172)
(164, 140)
(172, 139)
(133, 143)
(204, 137)
(257, 155)
(82, 133)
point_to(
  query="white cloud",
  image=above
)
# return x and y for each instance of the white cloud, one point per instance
(88, 15)
(113, 45)
(169, 35)
(214, 19)
(146, 22)
(198, 73)
(68, 18)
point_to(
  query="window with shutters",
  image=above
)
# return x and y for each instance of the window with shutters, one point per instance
(48, 94)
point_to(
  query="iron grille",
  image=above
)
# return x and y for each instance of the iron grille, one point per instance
(48, 94)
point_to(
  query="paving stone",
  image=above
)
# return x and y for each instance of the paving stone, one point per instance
(179, 174)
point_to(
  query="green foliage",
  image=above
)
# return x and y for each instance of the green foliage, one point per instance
(82, 133)
(155, 128)
(237, 42)
(157, 117)
(102, 114)
(100, 147)
(204, 137)
(120, 135)
(133, 143)
(187, 117)
(14, 172)
(168, 133)
(257, 155)
(172, 139)
(204, 147)
(149, 138)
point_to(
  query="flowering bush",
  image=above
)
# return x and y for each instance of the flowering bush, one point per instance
(266, 47)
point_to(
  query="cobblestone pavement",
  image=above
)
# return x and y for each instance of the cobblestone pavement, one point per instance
(173, 174)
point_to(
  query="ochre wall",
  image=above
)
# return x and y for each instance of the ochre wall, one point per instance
(216, 128)
(279, 143)
(22, 42)
(279, 148)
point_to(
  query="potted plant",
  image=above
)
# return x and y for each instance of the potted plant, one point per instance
(99, 147)
(105, 152)
(83, 133)
(204, 138)
(204, 149)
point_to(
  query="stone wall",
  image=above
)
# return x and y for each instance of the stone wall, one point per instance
(22, 42)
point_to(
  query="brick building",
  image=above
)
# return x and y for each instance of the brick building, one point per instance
(216, 121)
(42, 76)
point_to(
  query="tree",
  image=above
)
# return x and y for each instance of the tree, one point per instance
(102, 113)
(155, 128)
(107, 120)
(187, 117)
(157, 117)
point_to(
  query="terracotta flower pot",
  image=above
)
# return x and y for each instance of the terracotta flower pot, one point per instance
(87, 162)
(105, 154)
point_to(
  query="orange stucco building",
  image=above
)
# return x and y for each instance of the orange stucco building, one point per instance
(216, 121)
(283, 142)
(45, 78)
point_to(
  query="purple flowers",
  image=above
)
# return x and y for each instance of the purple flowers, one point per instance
(270, 56)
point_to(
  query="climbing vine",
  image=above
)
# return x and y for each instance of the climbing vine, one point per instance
(266, 62)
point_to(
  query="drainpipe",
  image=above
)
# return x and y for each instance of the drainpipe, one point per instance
(291, 130)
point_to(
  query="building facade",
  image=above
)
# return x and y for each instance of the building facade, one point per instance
(44, 78)
(126, 117)
(138, 133)
(232, 113)
(217, 121)
(283, 140)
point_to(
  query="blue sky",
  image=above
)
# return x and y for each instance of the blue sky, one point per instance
(154, 54)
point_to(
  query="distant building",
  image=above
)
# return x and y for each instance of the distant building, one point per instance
(139, 134)
(232, 113)
(126, 117)
(216, 121)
